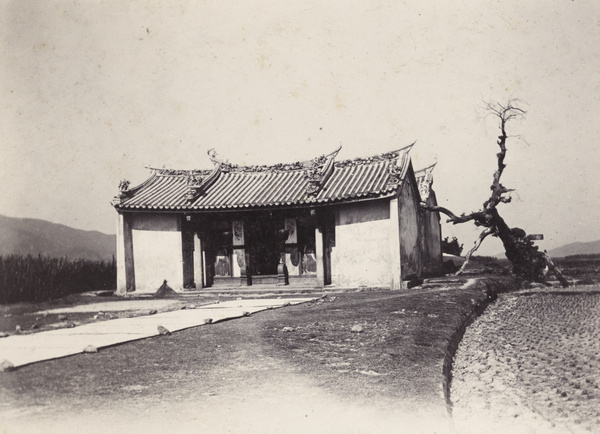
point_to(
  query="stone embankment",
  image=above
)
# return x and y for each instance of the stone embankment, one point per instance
(531, 363)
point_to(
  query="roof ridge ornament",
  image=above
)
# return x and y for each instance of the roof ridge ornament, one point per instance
(125, 191)
(424, 179)
(319, 171)
(198, 185)
(396, 171)
(216, 158)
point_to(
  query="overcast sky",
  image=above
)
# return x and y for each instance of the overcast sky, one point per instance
(92, 91)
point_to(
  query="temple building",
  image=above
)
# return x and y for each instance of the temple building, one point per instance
(306, 224)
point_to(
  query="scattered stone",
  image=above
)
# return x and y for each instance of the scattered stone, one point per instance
(95, 317)
(287, 304)
(357, 328)
(7, 315)
(369, 372)
(332, 299)
(34, 326)
(208, 321)
(90, 349)
(288, 329)
(183, 307)
(70, 325)
(6, 366)
(164, 291)
(4, 335)
(62, 317)
(18, 328)
(152, 312)
(193, 306)
(100, 312)
(246, 314)
(163, 331)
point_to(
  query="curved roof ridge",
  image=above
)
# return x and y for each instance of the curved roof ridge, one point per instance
(389, 156)
(164, 171)
(426, 168)
(278, 167)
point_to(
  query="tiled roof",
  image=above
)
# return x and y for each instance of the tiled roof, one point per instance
(226, 187)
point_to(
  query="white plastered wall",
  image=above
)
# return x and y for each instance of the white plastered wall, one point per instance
(157, 252)
(361, 255)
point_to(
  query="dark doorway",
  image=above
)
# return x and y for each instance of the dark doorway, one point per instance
(263, 245)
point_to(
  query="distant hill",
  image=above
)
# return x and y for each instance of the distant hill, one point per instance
(589, 248)
(33, 236)
(579, 248)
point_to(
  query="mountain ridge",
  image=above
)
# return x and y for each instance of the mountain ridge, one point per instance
(576, 248)
(30, 236)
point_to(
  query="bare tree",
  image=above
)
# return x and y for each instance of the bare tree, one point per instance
(528, 262)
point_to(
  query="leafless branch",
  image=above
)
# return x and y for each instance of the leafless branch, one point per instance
(453, 218)
(482, 237)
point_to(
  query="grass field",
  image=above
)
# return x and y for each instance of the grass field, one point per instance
(40, 278)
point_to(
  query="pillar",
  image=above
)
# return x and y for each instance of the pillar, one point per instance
(394, 246)
(198, 262)
(238, 261)
(125, 262)
(319, 243)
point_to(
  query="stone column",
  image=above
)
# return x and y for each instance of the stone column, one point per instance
(125, 262)
(187, 255)
(291, 247)
(198, 262)
(319, 242)
(394, 246)
(238, 261)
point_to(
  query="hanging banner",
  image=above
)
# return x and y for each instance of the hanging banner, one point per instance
(238, 232)
(290, 226)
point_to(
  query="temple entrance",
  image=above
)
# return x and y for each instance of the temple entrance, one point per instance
(257, 248)
(264, 247)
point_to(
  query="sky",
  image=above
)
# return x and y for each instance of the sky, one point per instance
(93, 91)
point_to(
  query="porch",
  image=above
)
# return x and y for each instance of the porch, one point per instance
(256, 248)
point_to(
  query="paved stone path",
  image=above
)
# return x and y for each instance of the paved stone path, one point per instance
(21, 350)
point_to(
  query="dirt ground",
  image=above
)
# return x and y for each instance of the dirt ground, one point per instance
(351, 362)
(296, 369)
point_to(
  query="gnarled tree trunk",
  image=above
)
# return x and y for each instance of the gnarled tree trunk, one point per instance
(528, 262)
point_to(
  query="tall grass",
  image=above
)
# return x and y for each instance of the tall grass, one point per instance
(39, 278)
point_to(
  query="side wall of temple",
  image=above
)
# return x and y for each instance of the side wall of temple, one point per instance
(432, 240)
(410, 243)
(361, 255)
(149, 251)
